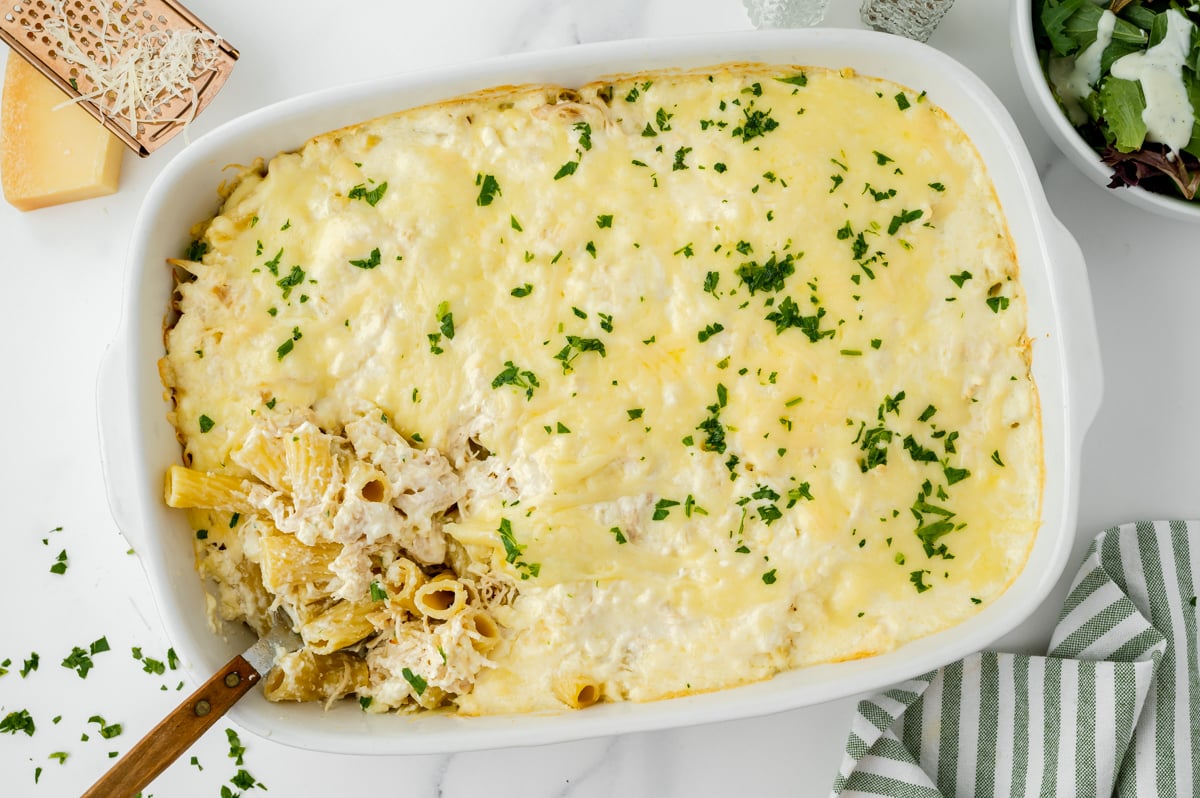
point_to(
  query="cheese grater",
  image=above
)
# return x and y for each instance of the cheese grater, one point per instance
(105, 30)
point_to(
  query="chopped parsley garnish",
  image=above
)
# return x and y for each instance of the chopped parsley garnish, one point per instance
(902, 101)
(273, 264)
(370, 196)
(513, 550)
(880, 158)
(512, 220)
(604, 220)
(719, 167)
(927, 413)
(662, 508)
(756, 123)
(996, 458)
(618, 535)
(937, 186)
(661, 118)
(286, 347)
(378, 592)
(80, 659)
(293, 278)
(107, 730)
(997, 303)
(18, 721)
(768, 276)
(196, 250)
(799, 79)
(801, 491)
(710, 282)
(522, 290)
(918, 580)
(961, 277)
(59, 567)
(585, 134)
(489, 189)
(516, 377)
(954, 475)
(575, 347)
(649, 131)
(709, 331)
(418, 684)
(787, 315)
(769, 577)
(634, 413)
(903, 218)
(680, 154)
(369, 262)
(566, 169)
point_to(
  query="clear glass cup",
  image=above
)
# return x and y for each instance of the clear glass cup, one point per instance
(786, 13)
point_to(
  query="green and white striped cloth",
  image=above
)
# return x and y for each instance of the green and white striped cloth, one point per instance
(1113, 709)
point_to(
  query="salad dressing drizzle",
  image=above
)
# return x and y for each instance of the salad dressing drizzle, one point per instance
(1168, 114)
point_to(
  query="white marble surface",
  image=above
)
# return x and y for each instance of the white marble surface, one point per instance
(61, 271)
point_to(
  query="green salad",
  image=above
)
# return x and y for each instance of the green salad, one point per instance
(1127, 75)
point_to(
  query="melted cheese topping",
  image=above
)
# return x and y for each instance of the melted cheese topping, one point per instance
(732, 364)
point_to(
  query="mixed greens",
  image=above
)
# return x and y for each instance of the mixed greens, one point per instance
(1127, 74)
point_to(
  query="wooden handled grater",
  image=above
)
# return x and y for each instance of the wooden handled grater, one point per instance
(105, 31)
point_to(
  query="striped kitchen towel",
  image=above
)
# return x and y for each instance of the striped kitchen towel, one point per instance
(1113, 709)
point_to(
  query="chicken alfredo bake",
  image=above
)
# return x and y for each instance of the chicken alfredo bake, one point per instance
(541, 397)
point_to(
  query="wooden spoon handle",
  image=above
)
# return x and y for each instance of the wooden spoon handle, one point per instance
(176, 732)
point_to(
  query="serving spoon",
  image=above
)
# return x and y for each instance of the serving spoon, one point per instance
(185, 724)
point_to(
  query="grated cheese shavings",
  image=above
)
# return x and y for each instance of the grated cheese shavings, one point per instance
(136, 75)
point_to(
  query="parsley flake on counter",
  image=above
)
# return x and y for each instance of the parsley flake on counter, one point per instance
(60, 565)
(18, 721)
(107, 730)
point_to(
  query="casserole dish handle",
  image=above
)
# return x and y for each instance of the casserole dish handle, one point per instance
(116, 439)
(1081, 342)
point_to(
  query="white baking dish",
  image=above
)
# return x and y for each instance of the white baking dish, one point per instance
(138, 444)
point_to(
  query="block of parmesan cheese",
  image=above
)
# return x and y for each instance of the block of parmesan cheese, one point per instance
(51, 154)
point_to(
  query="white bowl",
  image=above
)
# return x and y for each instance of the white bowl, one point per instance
(1054, 120)
(138, 444)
